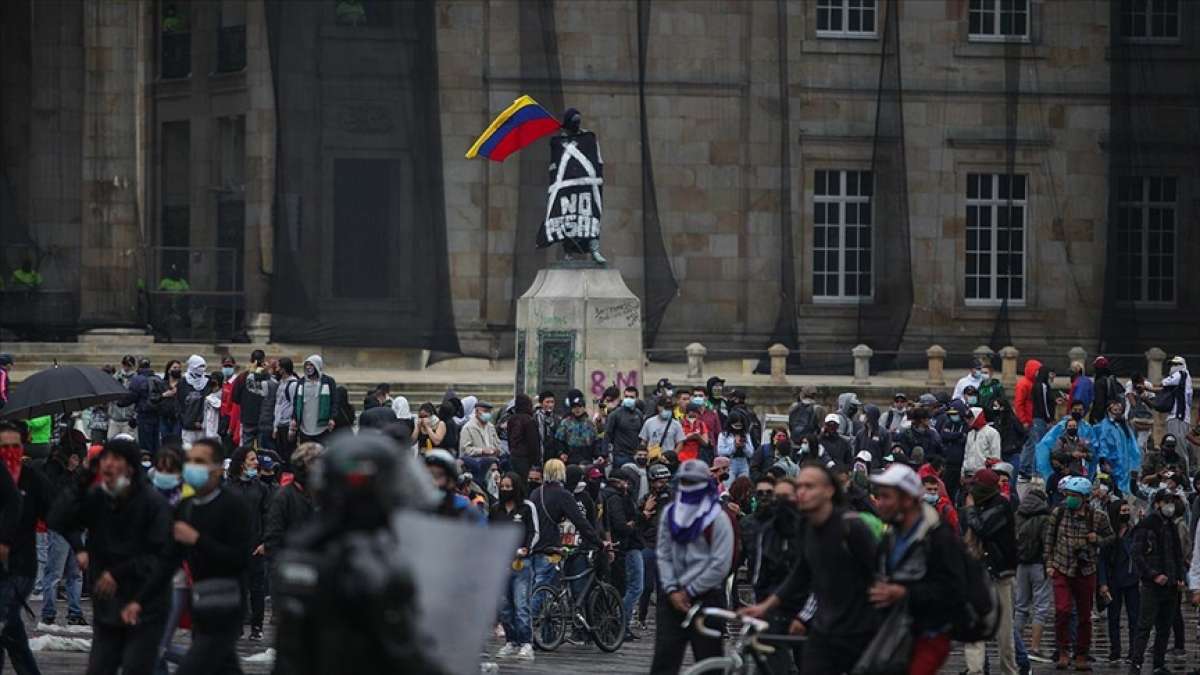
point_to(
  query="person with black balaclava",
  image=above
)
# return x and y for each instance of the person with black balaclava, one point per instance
(920, 434)
(771, 538)
(953, 435)
(873, 438)
(833, 444)
(343, 599)
(292, 506)
(1158, 557)
(1001, 417)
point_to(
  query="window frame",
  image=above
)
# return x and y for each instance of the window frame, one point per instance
(845, 33)
(1150, 39)
(992, 203)
(996, 13)
(842, 199)
(1143, 204)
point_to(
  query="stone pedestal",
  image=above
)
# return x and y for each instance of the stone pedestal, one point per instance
(578, 327)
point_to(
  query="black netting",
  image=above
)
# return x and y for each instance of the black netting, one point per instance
(360, 255)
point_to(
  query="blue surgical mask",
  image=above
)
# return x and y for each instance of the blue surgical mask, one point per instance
(698, 400)
(195, 475)
(165, 481)
(628, 402)
(664, 414)
(485, 417)
(973, 400)
(227, 371)
(931, 498)
(250, 474)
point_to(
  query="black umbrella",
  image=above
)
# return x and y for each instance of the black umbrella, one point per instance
(62, 389)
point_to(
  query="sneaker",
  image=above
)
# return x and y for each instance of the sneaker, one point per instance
(631, 637)
(1163, 670)
(526, 652)
(507, 650)
(36, 597)
(1038, 657)
(499, 631)
(256, 635)
(76, 621)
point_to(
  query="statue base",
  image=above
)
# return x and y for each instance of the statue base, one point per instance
(578, 327)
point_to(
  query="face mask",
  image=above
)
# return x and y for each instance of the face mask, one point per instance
(851, 410)
(972, 400)
(1076, 416)
(931, 498)
(978, 374)
(664, 414)
(146, 465)
(1125, 517)
(176, 373)
(507, 495)
(628, 402)
(250, 474)
(953, 416)
(227, 371)
(698, 400)
(534, 484)
(1168, 510)
(1074, 502)
(166, 481)
(1072, 432)
(640, 461)
(1169, 449)
(804, 448)
(119, 486)
(195, 475)
(485, 417)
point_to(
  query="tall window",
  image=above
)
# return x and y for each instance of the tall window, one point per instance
(846, 18)
(842, 234)
(1146, 239)
(996, 208)
(998, 20)
(1150, 20)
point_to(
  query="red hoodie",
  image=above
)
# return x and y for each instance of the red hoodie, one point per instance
(944, 506)
(1023, 399)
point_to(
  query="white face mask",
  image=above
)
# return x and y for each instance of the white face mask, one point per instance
(1168, 510)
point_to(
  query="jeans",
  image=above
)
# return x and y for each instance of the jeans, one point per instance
(738, 467)
(1159, 606)
(266, 440)
(1006, 645)
(1028, 452)
(58, 556)
(169, 428)
(180, 597)
(1081, 590)
(650, 581)
(1130, 598)
(13, 640)
(43, 552)
(635, 573)
(1035, 596)
(541, 572)
(514, 607)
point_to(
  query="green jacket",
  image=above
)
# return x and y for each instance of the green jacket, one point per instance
(39, 430)
(325, 403)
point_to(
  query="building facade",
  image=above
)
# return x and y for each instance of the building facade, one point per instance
(972, 171)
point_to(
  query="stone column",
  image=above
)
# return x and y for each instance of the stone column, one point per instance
(1077, 353)
(862, 364)
(695, 360)
(778, 354)
(1008, 366)
(260, 174)
(1154, 365)
(984, 353)
(937, 361)
(114, 38)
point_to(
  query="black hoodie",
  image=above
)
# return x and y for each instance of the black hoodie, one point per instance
(1043, 397)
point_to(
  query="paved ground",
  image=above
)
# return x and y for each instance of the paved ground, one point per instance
(582, 659)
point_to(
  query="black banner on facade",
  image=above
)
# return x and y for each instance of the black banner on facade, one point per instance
(575, 198)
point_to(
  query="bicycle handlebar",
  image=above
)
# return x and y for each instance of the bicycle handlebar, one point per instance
(698, 615)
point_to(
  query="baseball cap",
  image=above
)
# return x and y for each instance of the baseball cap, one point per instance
(927, 399)
(720, 463)
(484, 405)
(902, 478)
(659, 472)
(693, 471)
(832, 417)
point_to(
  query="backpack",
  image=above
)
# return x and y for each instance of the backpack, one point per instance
(980, 618)
(802, 421)
(737, 539)
(191, 413)
(1164, 399)
(1030, 546)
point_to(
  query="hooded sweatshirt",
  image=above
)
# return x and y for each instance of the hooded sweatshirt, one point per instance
(1023, 398)
(873, 438)
(1043, 397)
(313, 404)
(1183, 405)
(848, 426)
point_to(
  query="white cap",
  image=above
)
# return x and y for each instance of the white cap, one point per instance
(833, 417)
(864, 455)
(900, 477)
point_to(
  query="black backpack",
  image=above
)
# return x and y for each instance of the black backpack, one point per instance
(191, 413)
(980, 619)
(802, 421)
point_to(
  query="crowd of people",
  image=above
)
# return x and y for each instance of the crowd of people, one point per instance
(966, 516)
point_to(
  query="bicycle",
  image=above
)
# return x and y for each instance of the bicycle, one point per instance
(748, 651)
(597, 610)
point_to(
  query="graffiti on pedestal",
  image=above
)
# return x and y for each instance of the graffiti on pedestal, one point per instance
(601, 380)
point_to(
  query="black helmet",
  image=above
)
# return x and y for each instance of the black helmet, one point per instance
(355, 482)
(442, 458)
(659, 472)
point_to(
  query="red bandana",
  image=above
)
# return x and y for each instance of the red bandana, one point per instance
(12, 460)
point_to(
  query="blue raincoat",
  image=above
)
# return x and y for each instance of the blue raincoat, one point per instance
(1046, 446)
(1117, 443)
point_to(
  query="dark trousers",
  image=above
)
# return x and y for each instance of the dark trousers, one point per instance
(1130, 599)
(254, 589)
(829, 655)
(1081, 591)
(214, 651)
(148, 434)
(130, 649)
(519, 466)
(650, 558)
(1160, 604)
(13, 640)
(671, 639)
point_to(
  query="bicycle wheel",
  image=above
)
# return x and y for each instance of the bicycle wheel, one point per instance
(606, 617)
(715, 665)
(551, 618)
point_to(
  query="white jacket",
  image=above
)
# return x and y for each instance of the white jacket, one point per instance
(982, 445)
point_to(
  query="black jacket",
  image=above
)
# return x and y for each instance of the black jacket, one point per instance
(622, 430)
(289, 509)
(1157, 550)
(994, 525)
(771, 539)
(1117, 569)
(553, 504)
(127, 537)
(932, 571)
(620, 515)
(257, 496)
(37, 495)
(837, 448)
(927, 439)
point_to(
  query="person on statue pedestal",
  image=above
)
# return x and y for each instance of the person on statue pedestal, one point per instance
(575, 196)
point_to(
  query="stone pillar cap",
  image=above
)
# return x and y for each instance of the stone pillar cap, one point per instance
(778, 349)
(862, 350)
(696, 348)
(1009, 352)
(1156, 354)
(936, 351)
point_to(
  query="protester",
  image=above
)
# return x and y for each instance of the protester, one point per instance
(694, 555)
(266, 414)
(1105, 390)
(292, 506)
(1118, 579)
(127, 525)
(1179, 419)
(1158, 557)
(649, 509)
(479, 444)
(145, 394)
(1023, 409)
(445, 476)
(553, 504)
(60, 563)
(620, 514)
(243, 482)
(696, 435)
(804, 417)
(990, 532)
(249, 392)
(285, 398)
(1073, 539)
(121, 413)
(623, 427)
(1034, 591)
(770, 538)
(512, 507)
(313, 403)
(737, 445)
(982, 444)
(952, 433)
(524, 442)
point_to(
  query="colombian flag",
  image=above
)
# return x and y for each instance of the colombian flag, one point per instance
(520, 124)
